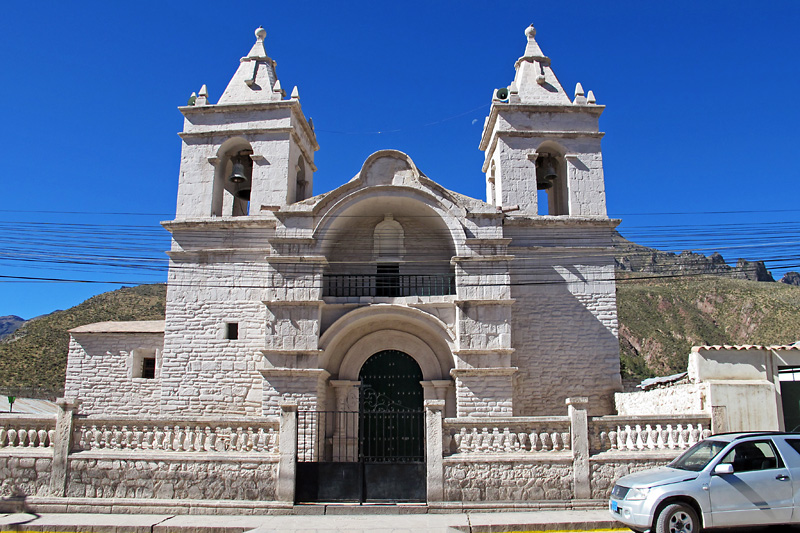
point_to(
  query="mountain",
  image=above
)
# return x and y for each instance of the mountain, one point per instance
(9, 324)
(35, 356)
(632, 257)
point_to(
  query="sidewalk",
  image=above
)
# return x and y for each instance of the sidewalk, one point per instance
(467, 522)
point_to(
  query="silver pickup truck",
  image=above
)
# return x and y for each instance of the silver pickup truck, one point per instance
(727, 480)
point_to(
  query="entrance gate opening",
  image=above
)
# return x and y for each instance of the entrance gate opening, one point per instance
(375, 454)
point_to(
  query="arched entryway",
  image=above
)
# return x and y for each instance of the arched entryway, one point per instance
(391, 427)
(390, 409)
(376, 453)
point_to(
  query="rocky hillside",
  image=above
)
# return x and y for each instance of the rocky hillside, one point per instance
(9, 324)
(662, 318)
(35, 355)
(632, 257)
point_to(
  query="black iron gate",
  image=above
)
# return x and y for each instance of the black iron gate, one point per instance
(374, 454)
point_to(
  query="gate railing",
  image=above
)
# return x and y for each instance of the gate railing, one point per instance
(350, 436)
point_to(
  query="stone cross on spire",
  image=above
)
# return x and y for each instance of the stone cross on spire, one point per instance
(535, 82)
(255, 80)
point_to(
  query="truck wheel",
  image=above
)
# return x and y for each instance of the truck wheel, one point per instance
(678, 518)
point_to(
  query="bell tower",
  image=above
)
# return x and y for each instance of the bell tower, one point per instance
(542, 150)
(249, 154)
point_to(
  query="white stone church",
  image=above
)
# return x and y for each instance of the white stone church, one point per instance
(389, 294)
(503, 306)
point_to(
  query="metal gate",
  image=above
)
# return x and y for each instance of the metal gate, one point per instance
(374, 454)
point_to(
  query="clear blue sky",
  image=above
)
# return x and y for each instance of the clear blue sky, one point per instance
(701, 115)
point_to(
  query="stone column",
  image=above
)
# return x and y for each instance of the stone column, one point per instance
(433, 437)
(62, 446)
(345, 432)
(287, 445)
(579, 431)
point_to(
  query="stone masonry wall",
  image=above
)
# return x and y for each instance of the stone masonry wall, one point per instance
(470, 480)
(564, 333)
(99, 373)
(232, 478)
(671, 400)
(204, 372)
(484, 395)
(25, 473)
(605, 471)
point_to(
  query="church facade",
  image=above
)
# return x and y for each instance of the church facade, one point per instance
(389, 286)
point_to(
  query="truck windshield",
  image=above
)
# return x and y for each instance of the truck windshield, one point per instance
(698, 456)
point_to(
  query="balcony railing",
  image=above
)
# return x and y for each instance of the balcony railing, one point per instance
(388, 285)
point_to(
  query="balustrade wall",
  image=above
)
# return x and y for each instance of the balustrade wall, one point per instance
(487, 459)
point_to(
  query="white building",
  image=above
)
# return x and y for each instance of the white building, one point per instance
(389, 286)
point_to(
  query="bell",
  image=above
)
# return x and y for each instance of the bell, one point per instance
(237, 176)
(244, 194)
(546, 173)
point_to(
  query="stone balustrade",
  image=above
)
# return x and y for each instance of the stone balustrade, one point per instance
(198, 435)
(631, 434)
(27, 432)
(500, 435)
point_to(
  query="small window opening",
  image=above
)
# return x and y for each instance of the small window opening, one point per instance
(149, 368)
(232, 331)
(387, 280)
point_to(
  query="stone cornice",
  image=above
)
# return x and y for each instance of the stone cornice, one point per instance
(497, 107)
(221, 223)
(487, 371)
(561, 220)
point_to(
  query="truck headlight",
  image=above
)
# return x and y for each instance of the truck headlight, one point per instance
(636, 494)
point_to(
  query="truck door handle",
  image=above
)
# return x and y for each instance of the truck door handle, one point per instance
(782, 477)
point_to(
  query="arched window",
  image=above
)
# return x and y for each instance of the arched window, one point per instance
(388, 239)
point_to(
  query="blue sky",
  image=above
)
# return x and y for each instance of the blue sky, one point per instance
(701, 121)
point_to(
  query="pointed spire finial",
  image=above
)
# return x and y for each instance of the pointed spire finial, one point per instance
(261, 34)
(530, 32)
(580, 97)
(202, 96)
(590, 98)
(295, 93)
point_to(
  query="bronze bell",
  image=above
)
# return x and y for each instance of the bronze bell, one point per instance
(242, 167)
(237, 176)
(546, 173)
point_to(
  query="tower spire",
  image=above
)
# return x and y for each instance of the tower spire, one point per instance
(255, 78)
(535, 80)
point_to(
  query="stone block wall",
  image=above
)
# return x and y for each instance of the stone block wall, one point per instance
(205, 373)
(605, 469)
(670, 400)
(519, 479)
(168, 477)
(564, 333)
(25, 472)
(483, 393)
(100, 372)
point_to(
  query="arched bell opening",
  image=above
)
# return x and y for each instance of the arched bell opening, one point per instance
(233, 178)
(551, 180)
(301, 189)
